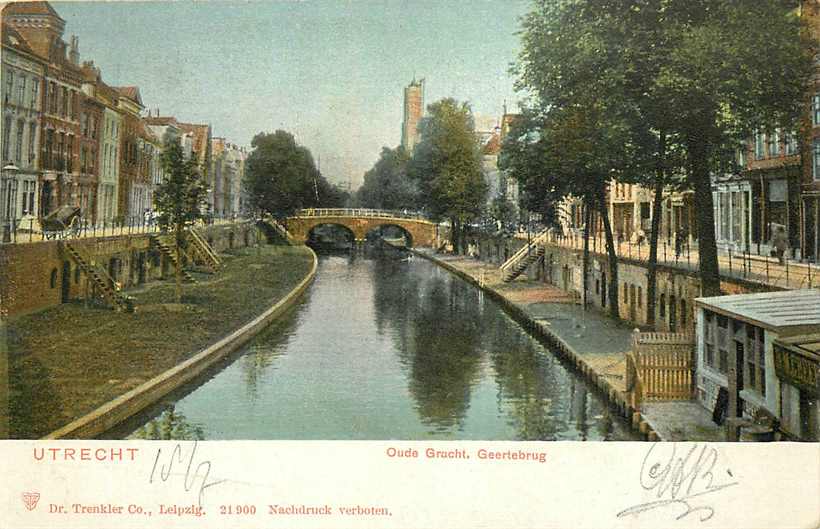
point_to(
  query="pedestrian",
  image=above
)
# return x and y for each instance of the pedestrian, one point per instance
(680, 237)
(781, 244)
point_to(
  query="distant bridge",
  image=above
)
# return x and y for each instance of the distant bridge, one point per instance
(359, 222)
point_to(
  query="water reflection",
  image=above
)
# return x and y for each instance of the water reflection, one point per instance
(389, 348)
(169, 426)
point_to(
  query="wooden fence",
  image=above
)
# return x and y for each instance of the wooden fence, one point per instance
(660, 367)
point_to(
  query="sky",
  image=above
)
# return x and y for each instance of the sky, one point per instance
(331, 72)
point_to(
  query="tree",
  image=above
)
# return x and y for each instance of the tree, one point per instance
(703, 74)
(280, 175)
(446, 165)
(503, 212)
(179, 199)
(386, 185)
(331, 195)
(571, 150)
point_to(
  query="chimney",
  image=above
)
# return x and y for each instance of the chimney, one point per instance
(74, 50)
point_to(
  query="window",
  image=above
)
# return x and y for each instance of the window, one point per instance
(662, 306)
(84, 124)
(626, 293)
(60, 154)
(52, 98)
(741, 157)
(32, 141)
(816, 160)
(683, 312)
(69, 159)
(6, 133)
(754, 367)
(791, 143)
(29, 191)
(815, 106)
(35, 87)
(21, 91)
(18, 145)
(48, 163)
(64, 107)
(9, 85)
(774, 143)
(709, 341)
(723, 344)
(760, 146)
(53, 281)
(640, 296)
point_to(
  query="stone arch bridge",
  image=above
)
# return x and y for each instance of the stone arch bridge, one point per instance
(359, 222)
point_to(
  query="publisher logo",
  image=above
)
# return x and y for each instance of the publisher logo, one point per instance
(31, 499)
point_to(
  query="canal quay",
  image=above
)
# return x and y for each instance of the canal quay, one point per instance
(345, 330)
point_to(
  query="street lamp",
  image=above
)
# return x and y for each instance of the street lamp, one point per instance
(7, 173)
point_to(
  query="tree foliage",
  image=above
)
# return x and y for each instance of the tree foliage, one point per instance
(692, 76)
(179, 199)
(446, 165)
(281, 177)
(387, 184)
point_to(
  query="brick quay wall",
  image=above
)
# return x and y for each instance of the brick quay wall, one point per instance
(38, 275)
(562, 266)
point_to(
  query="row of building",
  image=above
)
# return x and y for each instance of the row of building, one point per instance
(68, 138)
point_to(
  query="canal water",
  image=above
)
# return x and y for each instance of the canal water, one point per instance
(385, 348)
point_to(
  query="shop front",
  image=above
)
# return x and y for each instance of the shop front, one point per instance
(796, 361)
(737, 376)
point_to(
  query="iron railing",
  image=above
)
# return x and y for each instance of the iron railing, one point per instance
(359, 212)
(742, 265)
(29, 231)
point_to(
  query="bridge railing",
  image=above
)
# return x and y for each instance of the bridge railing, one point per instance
(359, 212)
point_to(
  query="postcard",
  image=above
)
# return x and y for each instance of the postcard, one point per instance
(409, 264)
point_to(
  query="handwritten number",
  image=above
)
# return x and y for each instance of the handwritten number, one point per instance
(189, 479)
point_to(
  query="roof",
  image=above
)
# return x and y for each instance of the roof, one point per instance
(164, 121)
(30, 8)
(807, 344)
(493, 146)
(13, 38)
(201, 135)
(131, 92)
(773, 310)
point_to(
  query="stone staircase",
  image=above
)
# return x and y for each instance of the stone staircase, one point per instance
(279, 229)
(164, 244)
(103, 283)
(523, 258)
(204, 251)
(521, 266)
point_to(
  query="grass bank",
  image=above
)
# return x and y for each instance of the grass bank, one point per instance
(68, 360)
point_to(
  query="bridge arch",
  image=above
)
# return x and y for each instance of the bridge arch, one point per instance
(313, 234)
(408, 237)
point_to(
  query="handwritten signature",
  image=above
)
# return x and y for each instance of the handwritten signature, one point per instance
(202, 470)
(678, 479)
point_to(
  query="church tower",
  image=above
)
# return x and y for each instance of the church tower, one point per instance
(413, 111)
